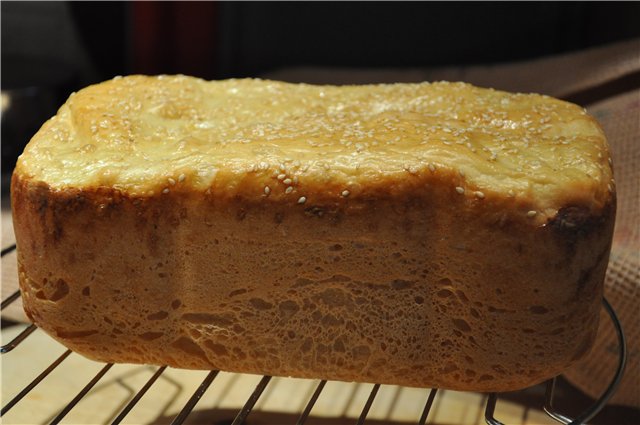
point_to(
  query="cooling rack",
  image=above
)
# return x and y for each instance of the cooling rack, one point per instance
(243, 414)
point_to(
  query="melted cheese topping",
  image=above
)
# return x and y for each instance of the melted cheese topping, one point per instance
(151, 135)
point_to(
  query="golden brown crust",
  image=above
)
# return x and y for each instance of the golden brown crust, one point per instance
(427, 288)
(424, 235)
(149, 136)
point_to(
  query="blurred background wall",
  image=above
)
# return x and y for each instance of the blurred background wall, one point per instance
(52, 48)
(98, 40)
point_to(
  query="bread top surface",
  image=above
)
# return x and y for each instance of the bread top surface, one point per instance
(146, 136)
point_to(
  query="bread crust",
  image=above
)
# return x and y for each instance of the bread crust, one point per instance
(418, 288)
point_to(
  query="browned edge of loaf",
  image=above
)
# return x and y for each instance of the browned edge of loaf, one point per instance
(567, 255)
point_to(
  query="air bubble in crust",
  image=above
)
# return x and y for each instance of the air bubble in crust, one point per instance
(217, 349)
(462, 325)
(160, 315)
(330, 320)
(306, 345)
(237, 292)
(461, 296)
(288, 308)
(361, 353)
(401, 284)
(190, 347)
(61, 290)
(334, 297)
(239, 354)
(66, 334)
(444, 293)
(260, 304)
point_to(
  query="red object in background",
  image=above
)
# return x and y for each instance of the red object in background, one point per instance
(174, 37)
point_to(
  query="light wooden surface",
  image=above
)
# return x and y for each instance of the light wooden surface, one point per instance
(9, 267)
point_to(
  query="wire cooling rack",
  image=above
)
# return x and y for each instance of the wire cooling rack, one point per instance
(243, 414)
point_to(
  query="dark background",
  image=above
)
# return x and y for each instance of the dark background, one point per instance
(97, 40)
(50, 49)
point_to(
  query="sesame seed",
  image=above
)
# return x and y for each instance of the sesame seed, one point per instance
(283, 167)
(267, 190)
(281, 176)
(286, 181)
(302, 200)
(289, 190)
(532, 213)
(511, 193)
(431, 167)
(295, 179)
(165, 190)
(171, 181)
(479, 194)
(181, 178)
(460, 190)
(345, 193)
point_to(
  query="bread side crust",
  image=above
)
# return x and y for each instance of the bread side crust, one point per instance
(426, 289)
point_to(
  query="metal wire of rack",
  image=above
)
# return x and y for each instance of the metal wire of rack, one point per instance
(245, 411)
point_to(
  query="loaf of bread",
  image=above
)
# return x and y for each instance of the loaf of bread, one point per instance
(430, 235)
